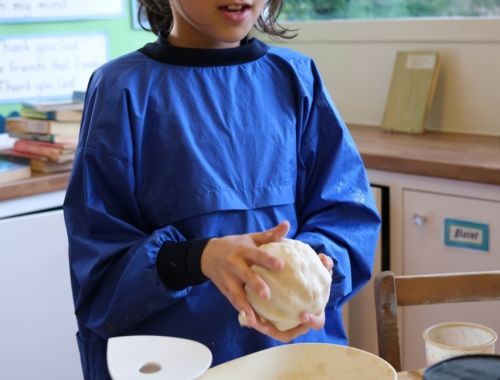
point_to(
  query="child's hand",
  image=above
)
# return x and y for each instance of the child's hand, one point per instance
(309, 321)
(227, 262)
(327, 262)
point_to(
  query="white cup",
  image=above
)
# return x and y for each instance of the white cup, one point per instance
(449, 339)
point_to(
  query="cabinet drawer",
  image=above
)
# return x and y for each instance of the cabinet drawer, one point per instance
(424, 233)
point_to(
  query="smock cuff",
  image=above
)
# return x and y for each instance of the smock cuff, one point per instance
(179, 264)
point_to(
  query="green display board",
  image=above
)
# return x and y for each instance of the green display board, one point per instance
(121, 36)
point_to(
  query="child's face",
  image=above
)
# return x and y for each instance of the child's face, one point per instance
(213, 23)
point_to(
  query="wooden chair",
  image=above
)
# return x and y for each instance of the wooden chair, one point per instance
(392, 291)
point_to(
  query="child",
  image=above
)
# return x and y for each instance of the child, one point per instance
(194, 151)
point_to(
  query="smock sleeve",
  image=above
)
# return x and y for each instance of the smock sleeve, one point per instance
(336, 210)
(113, 253)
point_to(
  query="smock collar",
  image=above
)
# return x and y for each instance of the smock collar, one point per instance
(161, 50)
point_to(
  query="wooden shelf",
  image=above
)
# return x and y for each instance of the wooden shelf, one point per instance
(38, 183)
(445, 155)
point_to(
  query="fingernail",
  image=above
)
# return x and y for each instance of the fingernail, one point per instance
(265, 294)
(279, 264)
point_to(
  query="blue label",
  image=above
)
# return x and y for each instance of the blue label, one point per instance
(465, 234)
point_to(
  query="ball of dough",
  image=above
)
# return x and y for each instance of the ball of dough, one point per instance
(302, 286)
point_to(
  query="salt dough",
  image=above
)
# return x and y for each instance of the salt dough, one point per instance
(302, 286)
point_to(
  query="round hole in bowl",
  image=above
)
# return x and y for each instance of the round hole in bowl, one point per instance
(150, 368)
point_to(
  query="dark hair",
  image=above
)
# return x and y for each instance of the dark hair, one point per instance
(160, 19)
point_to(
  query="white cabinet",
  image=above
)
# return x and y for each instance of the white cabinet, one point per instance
(420, 208)
(447, 233)
(37, 322)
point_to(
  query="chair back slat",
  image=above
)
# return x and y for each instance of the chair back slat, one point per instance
(392, 291)
(447, 288)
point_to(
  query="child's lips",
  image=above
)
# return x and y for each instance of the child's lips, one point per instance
(235, 12)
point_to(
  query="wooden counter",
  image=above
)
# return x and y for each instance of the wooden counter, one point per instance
(37, 184)
(446, 155)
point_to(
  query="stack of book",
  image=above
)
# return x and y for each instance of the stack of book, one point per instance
(12, 169)
(46, 134)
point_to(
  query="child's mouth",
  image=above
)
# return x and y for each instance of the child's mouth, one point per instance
(235, 8)
(235, 13)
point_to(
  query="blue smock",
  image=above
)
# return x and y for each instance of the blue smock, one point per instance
(179, 144)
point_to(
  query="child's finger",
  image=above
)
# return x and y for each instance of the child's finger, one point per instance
(276, 233)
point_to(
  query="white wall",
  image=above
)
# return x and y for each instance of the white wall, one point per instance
(356, 60)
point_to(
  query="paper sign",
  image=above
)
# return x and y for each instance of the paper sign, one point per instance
(420, 61)
(465, 234)
(48, 67)
(42, 10)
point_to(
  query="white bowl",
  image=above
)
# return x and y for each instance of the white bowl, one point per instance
(300, 361)
(450, 339)
(146, 357)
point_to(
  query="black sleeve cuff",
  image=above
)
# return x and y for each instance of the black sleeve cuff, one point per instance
(179, 264)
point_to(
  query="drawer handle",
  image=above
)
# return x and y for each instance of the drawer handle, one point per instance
(419, 219)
